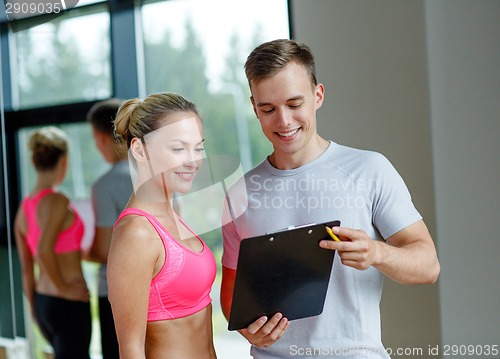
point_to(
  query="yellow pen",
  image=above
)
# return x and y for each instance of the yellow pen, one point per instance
(330, 232)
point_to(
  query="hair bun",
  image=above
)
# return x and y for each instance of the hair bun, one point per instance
(124, 119)
(47, 145)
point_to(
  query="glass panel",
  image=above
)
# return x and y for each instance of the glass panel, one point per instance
(193, 48)
(12, 341)
(62, 61)
(7, 319)
(23, 9)
(198, 48)
(85, 166)
(81, 2)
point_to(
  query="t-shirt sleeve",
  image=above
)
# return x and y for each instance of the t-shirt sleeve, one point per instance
(231, 245)
(230, 239)
(393, 209)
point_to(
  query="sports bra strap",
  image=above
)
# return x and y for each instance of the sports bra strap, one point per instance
(152, 219)
(137, 211)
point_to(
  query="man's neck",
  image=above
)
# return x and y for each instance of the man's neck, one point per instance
(288, 161)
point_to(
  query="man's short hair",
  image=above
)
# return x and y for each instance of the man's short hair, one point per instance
(102, 115)
(271, 57)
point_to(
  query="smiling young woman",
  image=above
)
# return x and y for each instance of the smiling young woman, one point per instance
(160, 273)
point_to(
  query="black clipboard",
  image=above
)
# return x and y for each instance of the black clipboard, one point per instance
(286, 271)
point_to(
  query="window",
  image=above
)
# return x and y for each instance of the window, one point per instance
(62, 61)
(193, 48)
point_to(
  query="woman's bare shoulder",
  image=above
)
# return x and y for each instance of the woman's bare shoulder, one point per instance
(136, 244)
(54, 199)
(134, 230)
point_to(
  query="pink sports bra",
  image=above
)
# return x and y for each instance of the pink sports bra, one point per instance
(182, 287)
(68, 240)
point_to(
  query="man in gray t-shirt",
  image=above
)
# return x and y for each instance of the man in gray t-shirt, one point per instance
(110, 194)
(308, 179)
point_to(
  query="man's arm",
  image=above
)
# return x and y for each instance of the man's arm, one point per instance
(262, 332)
(226, 290)
(100, 245)
(105, 215)
(408, 256)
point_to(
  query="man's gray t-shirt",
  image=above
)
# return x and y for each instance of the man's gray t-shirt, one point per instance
(110, 194)
(359, 188)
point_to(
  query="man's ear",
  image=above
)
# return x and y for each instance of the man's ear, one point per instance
(98, 135)
(63, 161)
(138, 151)
(319, 93)
(253, 106)
(100, 139)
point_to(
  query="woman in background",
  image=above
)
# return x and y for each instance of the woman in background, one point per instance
(48, 234)
(160, 273)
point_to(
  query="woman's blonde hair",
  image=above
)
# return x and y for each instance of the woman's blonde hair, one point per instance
(137, 118)
(48, 145)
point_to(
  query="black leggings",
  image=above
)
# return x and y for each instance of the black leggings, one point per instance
(65, 324)
(109, 343)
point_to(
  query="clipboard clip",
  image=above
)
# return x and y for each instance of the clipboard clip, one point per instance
(289, 228)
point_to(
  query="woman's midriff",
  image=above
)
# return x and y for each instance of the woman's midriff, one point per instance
(70, 270)
(188, 337)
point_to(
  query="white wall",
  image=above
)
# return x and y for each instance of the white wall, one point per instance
(419, 82)
(464, 72)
